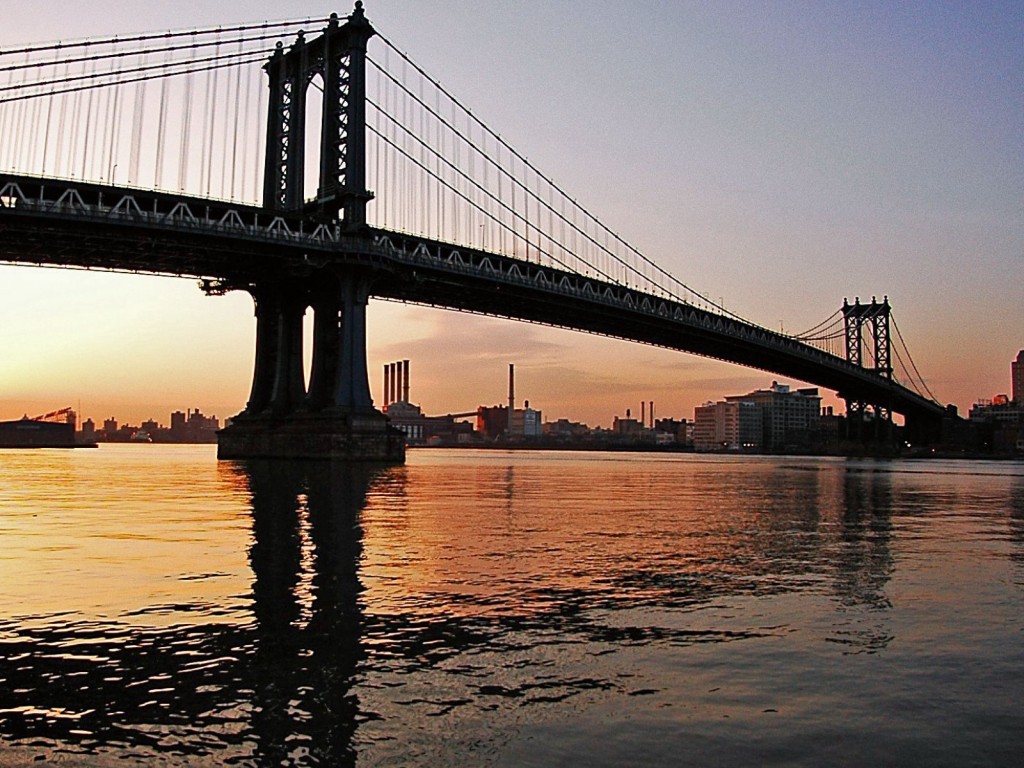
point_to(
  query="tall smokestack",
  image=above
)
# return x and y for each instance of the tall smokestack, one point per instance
(405, 392)
(387, 384)
(651, 414)
(643, 414)
(398, 383)
(394, 381)
(511, 389)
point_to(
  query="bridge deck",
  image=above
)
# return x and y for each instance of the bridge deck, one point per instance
(45, 221)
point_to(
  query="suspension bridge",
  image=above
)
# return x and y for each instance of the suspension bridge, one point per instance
(327, 171)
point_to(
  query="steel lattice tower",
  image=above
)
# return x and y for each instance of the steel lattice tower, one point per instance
(855, 317)
(338, 57)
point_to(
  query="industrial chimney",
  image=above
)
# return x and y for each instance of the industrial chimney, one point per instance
(511, 389)
(405, 391)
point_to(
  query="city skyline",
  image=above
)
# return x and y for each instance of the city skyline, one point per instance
(751, 152)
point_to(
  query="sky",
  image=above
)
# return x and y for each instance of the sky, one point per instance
(778, 157)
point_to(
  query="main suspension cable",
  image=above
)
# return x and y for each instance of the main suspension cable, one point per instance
(62, 46)
(660, 270)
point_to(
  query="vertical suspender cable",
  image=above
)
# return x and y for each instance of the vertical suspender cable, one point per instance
(234, 129)
(33, 145)
(161, 128)
(230, 98)
(20, 136)
(88, 125)
(98, 163)
(104, 142)
(49, 115)
(137, 124)
(211, 128)
(388, 186)
(438, 141)
(5, 141)
(8, 130)
(406, 203)
(262, 100)
(206, 135)
(246, 139)
(377, 148)
(186, 121)
(115, 134)
(76, 113)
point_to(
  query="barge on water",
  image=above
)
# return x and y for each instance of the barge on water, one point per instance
(30, 433)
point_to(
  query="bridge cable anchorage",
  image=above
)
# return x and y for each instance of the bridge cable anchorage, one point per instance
(644, 269)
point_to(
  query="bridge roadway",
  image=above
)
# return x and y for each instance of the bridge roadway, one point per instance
(78, 224)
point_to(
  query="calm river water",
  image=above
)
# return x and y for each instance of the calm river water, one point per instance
(158, 607)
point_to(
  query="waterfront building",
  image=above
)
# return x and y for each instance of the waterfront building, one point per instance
(999, 422)
(1017, 378)
(728, 425)
(565, 428)
(178, 423)
(627, 427)
(192, 427)
(678, 429)
(789, 417)
(525, 422)
(421, 429)
(491, 421)
(410, 419)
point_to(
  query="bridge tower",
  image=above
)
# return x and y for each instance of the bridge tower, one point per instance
(876, 316)
(338, 57)
(334, 418)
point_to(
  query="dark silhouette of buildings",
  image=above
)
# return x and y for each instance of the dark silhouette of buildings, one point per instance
(188, 427)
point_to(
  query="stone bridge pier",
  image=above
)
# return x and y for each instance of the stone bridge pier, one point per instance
(334, 418)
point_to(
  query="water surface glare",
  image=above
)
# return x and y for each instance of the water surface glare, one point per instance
(509, 609)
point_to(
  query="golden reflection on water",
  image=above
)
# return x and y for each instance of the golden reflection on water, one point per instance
(506, 608)
(111, 531)
(488, 529)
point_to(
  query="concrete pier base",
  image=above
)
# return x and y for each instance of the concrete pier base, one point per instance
(329, 435)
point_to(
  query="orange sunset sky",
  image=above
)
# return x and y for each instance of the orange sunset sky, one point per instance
(778, 157)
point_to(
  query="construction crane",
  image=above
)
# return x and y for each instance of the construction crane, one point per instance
(62, 416)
